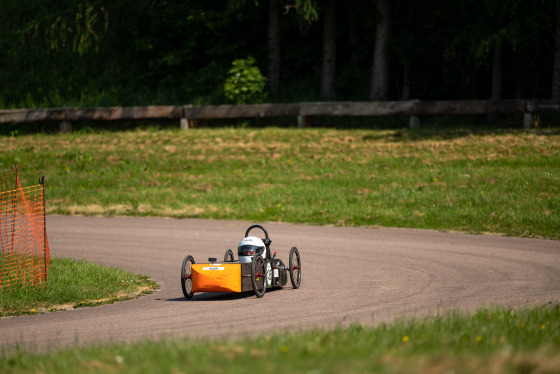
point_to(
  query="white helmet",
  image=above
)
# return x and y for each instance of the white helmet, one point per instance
(248, 247)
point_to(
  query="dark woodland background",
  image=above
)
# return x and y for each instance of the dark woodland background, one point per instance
(152, 52)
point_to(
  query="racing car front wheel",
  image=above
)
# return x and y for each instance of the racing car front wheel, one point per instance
(228, 256)
(258, 276)
(186, 280)
(295, 267)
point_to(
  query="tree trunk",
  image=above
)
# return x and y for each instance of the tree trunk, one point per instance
(555, 95)
(273, 73)
(497, 73)
(379, 88)
(328, 72)
(353, 39)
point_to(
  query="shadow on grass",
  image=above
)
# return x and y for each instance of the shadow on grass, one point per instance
(431, 127)
(414, 135)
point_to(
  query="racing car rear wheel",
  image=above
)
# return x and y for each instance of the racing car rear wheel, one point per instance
(186, 280)
(258, 276)
(228, 256)
(295, 267)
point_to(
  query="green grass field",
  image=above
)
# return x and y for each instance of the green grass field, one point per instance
(489, 341)
(496, 181)
(74, 284)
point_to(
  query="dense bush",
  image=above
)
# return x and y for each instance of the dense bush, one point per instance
(245, 83)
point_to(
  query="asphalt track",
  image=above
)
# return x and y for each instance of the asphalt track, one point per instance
(368, 275)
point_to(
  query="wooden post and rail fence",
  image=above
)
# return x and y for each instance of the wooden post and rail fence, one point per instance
(189, 114)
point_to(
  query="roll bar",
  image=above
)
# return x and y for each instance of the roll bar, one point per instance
(266, 240)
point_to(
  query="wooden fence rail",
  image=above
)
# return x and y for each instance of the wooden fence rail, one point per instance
(303, 111)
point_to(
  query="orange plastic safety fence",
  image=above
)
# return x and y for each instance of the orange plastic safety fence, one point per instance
(24, 248)
(9, 180)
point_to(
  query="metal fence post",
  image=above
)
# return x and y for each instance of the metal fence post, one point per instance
(15, 169)
(42, 183)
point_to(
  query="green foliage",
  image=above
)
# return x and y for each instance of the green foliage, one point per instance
(94, 53)
(245, 83)
(307, 9)
(126, 52)
(79, 27)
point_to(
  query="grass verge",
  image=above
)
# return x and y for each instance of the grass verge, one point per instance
(501, 181)
(489, 341)
(74, 284)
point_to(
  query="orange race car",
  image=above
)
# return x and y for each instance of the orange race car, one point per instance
(254, 270)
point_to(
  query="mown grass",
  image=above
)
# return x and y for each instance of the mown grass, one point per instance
(489, 341)
(74, 284)
(501, 181)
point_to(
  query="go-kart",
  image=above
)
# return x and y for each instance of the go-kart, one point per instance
(255, 270)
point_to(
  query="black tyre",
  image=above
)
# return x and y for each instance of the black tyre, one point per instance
(229, 256)
(295, 267)
(258, 275)
(186, 280)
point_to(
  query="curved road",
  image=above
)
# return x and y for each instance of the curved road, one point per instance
(369, 275)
